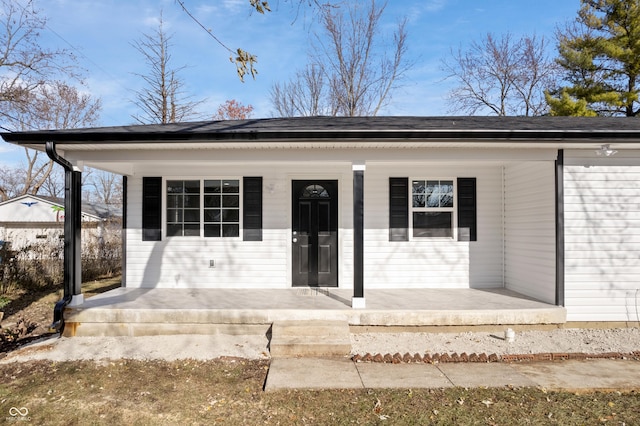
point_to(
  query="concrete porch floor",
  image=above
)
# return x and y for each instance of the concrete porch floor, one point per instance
(132, 312)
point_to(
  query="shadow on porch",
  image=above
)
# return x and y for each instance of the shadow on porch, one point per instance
(132, 312)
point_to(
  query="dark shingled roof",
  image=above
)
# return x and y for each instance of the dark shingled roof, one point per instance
(314, 128)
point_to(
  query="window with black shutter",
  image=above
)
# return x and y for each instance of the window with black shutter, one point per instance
(432, 208)
(208, 208)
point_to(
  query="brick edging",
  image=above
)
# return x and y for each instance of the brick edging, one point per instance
(435, 358)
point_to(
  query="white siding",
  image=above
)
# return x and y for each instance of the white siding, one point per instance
(602, 242)
(184, 262)
(31, 221)
(529, 216)
(433, 263)
(426, 263)
(29, 209)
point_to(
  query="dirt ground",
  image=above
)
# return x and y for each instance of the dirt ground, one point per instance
(36, 309)
(33, 310)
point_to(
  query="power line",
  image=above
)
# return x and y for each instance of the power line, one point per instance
(184, 8)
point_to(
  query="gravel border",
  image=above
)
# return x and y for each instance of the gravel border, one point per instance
(529, 345)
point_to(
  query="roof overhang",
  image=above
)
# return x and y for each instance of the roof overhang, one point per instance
(348, 133)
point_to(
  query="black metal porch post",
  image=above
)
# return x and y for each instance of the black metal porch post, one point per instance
(358, 237)
(560, 228)
(75, 225)
(72, 237)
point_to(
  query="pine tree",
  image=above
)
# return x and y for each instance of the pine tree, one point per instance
(565, 105)
(600, 54)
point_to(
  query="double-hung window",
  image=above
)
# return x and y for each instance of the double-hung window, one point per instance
(221, 208)
(433, 208)
(183, 208)
(208, 207)
(436, 208)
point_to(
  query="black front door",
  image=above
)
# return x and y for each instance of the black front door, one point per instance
(315, 233)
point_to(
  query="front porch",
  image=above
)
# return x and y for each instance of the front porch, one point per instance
(136, 312)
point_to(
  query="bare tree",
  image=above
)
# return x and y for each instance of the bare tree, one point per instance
(11, 182)
(54, 183)
(163, 99)
(505, 76)
(307, 94)
(103, 188)
(59, 106)
(24, 64)
(352, 72)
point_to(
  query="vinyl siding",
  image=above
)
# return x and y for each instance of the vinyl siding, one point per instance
(183, 262)
(602, 242)
(529, 216)
(432, 263)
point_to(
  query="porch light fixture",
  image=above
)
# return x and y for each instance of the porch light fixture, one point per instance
(606, 151)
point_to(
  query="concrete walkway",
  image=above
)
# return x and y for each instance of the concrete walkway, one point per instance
(342, 373)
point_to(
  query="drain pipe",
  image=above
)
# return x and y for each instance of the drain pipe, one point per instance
(72, 237)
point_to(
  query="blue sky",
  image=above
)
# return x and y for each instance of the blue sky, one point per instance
(100, 33)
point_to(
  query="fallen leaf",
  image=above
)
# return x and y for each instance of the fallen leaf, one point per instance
(378, 407)
(487, 402)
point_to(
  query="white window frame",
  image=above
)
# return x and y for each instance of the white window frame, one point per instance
(453, 210)
(202, 207)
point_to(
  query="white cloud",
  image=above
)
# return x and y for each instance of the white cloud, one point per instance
(5, 147)
(435, 5)
(154, 22)
(235, 6)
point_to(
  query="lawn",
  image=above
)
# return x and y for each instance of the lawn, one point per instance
(230, 391)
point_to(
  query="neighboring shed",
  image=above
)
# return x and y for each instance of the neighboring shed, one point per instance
(33, 219)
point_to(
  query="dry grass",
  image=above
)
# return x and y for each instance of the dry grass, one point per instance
(230, 392)
(36, 307)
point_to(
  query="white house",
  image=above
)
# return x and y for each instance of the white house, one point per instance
(31, 219)
(548, 207)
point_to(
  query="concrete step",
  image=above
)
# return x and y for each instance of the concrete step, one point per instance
(314, 338)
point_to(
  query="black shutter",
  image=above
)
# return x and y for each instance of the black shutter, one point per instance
(467, 222)
(151, 208)
(252, 209)
(398, 209)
